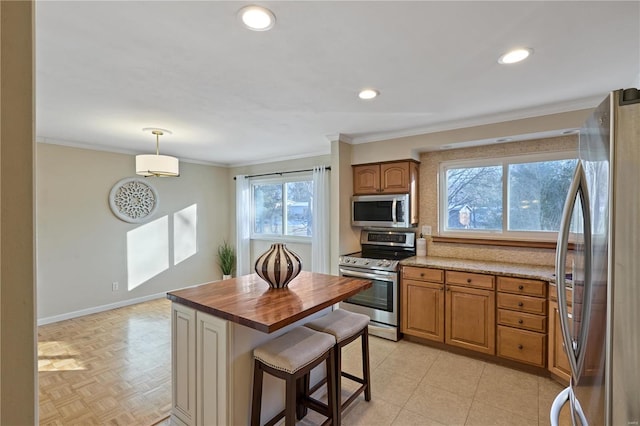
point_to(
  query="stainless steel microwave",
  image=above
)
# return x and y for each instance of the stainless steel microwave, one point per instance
(388, 211)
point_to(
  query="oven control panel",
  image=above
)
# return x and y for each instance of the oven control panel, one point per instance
(362, 262)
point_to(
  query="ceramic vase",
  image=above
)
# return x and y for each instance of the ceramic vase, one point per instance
(278, 265)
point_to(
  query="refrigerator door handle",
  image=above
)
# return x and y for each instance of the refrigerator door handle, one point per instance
(574, 345)
(556, 406)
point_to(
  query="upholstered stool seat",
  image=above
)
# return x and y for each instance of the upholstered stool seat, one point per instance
(291, 357)
(347, 327)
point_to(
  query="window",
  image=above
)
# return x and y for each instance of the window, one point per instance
(516, 197)
(281, 207)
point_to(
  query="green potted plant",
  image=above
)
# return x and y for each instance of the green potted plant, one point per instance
(226, 259)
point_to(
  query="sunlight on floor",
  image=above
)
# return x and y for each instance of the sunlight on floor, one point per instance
(58, 356)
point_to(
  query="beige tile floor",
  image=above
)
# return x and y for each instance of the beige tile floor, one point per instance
(414, 384)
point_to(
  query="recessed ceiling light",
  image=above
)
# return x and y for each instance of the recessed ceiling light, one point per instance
(368, 94)
(515, 55)
(257, 18)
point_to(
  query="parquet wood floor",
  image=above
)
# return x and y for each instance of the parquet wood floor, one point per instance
(109, 368)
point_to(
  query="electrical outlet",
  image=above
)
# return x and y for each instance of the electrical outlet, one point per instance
(114, 286)
(426, 230)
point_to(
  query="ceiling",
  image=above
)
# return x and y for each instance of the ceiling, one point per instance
(107, 69)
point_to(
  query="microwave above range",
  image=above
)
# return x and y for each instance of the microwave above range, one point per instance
(386, 211)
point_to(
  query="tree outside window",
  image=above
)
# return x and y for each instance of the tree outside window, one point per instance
(477, 199)
(282, 208)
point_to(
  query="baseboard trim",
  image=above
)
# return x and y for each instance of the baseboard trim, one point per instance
(102, 308)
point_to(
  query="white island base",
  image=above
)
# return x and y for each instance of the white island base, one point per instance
(212, 369)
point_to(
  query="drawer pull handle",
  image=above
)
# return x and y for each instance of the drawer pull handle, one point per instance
(520, 321)
(520, 287)
(520, 304)
(422, 274)
(469, 280)
(520, 347)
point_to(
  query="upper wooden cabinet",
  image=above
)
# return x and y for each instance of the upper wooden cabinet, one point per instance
(397, 177)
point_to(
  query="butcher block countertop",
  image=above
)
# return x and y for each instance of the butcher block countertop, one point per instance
(517, 270)
(248, 300)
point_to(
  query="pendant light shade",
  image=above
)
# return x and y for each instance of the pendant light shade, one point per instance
(157, 165)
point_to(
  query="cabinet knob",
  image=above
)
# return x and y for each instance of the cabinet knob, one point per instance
(520, 347)
(422, 274)
(448, 289)
(520, 321)
(520, 287)
(469, 280)
(520, 304)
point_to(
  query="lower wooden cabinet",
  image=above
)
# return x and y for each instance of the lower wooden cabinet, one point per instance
(494, 315)
(471, 318)
(522, 320)
(558, 361)
(422, 307)
(423, 310)
(522, 345)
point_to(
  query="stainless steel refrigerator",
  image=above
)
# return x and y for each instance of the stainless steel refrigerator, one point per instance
(598, 269)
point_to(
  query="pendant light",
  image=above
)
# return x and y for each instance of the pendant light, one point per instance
(157, 165)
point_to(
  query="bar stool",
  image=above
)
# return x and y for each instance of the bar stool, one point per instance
(346, 327)
(291, 357)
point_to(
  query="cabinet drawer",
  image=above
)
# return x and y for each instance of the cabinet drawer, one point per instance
(521, 345)
(514, 302)
(423, 274)
(522, 320)
(521, 286)
(553, 294)
(470, 279)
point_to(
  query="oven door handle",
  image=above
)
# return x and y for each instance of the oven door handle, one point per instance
(369, 276)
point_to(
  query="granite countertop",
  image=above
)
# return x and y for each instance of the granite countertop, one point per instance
(535, 272)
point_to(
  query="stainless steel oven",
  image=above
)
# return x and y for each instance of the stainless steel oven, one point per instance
(379, 262)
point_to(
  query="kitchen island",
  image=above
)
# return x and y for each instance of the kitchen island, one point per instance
(215, 328)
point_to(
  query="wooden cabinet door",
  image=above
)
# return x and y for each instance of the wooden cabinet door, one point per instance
(212, 388)
(366, 179)
(394, 177)
(471, 318)
(558, 361)
(183, 363)
(423, 309)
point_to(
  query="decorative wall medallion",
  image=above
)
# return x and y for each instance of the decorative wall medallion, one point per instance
(133, 200)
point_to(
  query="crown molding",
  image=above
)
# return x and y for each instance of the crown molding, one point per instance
(548, 109)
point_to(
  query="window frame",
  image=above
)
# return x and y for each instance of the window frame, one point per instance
(283, 181)
(504, 162)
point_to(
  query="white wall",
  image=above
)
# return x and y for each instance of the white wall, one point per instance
(82, 246)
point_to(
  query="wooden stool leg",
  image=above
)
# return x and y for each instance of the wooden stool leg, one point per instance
(338, 375)
(366, 373)
(333, 391)
(290, 401)
(303, 393)
(256, 400)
